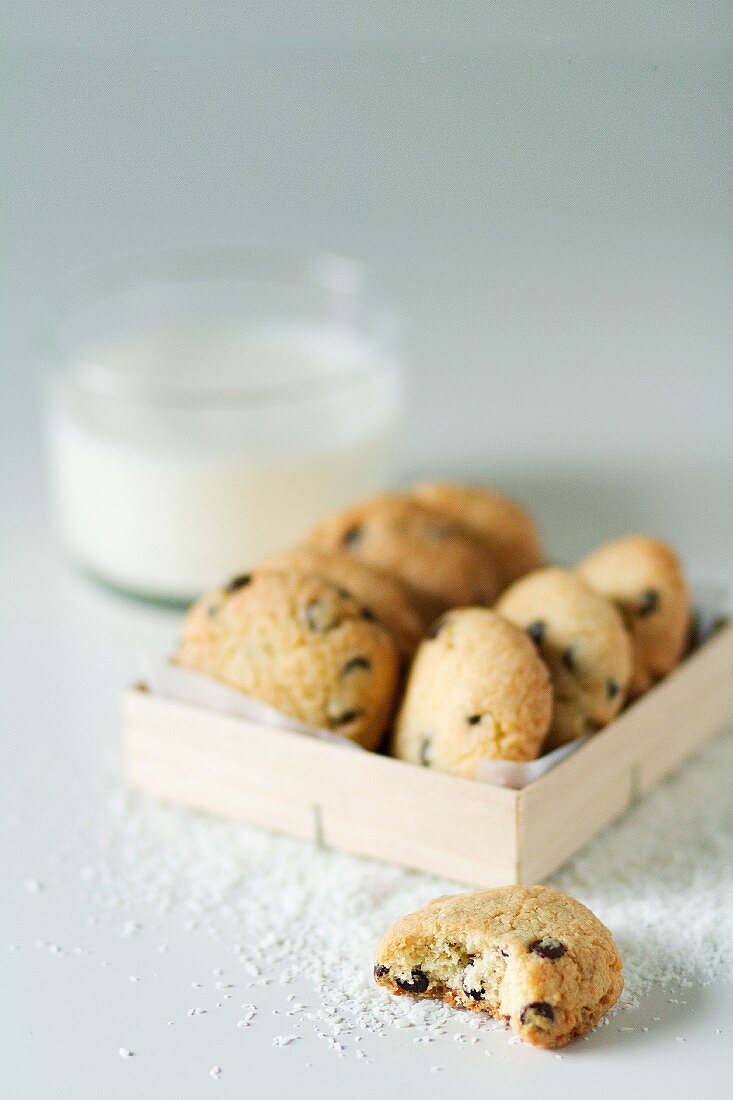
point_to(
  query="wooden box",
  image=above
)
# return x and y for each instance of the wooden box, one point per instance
(377, 806)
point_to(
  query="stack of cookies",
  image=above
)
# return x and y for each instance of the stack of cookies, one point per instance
(431, 612)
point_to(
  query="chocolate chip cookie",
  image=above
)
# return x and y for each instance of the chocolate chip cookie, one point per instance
(377, 592)
(439, 562)
(477, 691)
(644, 578)
(525, 954)
(507, 529)
(582, 638)
(300, 644)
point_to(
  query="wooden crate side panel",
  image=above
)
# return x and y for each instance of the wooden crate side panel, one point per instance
(697, 702)
(172, 757)
(361, 802)
(562, 810)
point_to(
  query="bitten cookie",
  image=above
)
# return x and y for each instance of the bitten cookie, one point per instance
(385, 596)
(525, 954)
(441, 564)
(507, 529)
(299, 644)
(581, 636)
(477, 691)
(644, 578)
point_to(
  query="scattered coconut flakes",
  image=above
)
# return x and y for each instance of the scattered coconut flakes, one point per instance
(215, 1071)
(326, 909)
(125, 1053)
(283, 1040)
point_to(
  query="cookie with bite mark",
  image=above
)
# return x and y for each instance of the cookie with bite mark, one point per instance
(538, 959)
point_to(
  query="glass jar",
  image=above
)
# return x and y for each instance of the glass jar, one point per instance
(212, 407)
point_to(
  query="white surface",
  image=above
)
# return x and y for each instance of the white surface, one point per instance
(552, 211)
(87, 906)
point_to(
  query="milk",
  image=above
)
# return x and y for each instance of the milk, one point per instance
(178, 464)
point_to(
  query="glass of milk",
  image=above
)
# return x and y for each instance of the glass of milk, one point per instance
(212, 407)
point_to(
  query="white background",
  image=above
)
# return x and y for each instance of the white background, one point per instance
(550, 196)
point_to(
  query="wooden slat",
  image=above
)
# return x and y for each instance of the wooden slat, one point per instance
(562, 810)
(359, 801)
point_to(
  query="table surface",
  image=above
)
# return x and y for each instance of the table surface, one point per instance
(554, 220)
(68, 1002)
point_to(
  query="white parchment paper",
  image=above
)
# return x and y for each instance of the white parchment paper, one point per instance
(165, 678)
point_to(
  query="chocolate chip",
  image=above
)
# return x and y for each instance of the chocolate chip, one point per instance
(424, 750)
(368, 614)
(568, 658)
(238, 582)
(536, 631)
(537, 1008)
(345, 717)
(548, 949)
(418, 982)
(473, 719)
(649, 602)
(380, 971)
(476, 994)
(355, 663)
(321, 616)
(352, 536)
(435, 628)
(612, 688)
(504, 953)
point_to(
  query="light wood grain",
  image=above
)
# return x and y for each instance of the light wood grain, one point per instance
(562, 810)
(376, 806)
(340, 797)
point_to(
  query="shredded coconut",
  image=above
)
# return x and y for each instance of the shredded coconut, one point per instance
(659, 878)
